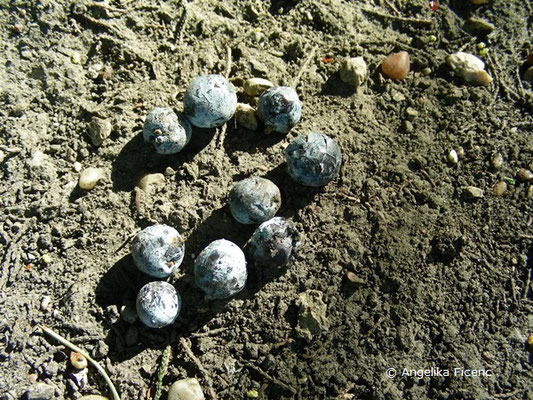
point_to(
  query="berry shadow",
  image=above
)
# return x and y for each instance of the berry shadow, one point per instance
(119, 286)
(138, 158)
(241, 139)
(294, 196)
(334, 86)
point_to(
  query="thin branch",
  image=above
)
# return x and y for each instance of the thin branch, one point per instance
(303, 68)
(410, 20)
(75, 348)
(187, 348)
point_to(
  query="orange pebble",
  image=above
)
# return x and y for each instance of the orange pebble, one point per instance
(396, 66)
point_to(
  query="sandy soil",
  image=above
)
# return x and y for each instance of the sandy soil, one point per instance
(439, 279)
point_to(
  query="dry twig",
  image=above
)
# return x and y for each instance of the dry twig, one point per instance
(271, 378)
(187, 348)
(75, 348)
(303, 68)
(410, 20)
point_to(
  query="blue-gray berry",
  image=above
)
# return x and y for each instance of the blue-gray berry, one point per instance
(158, 304)
(279, 108)
(158, 250)
(254, 200)
(220, 269)
(273, 242)
(313, 159)
(210, 101)
(167, 131)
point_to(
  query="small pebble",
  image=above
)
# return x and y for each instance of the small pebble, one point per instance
(40, 391)
(460, 153)
(77, 166)
(480, 25)
(453, 158)
(524, 174)
(252, 394)
(256, 86)
(353, 278)
(45, 302)
(186, 389)
(354, 71)
(75, 58)
(469, 67)
(411, 113)
(246, 117)
(396, 65)
(89, 178)
(99, 129)
(500, 188)
(474, 192)
(78, 360)
(2, 156)
(46, 258)
(496, 162)
(151, 182)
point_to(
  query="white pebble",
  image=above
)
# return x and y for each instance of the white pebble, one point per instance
(186, 389)
(89, 177)
(256, 86)
(469, 67)
(77, 166)
(453, 157)
(354, 71)
(245, 116)
(463, 62)
(474, 192)
(45, 302)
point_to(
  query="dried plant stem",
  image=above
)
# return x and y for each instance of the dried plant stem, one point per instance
(303, 68)
(187, 348)
(75, 348)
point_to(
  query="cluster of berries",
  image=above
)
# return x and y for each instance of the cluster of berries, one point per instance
(220, 268)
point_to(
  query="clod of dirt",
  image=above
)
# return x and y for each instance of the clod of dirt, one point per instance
(354, 71)
(40, 391)
(246, 117)
(472, 192)
(152, 182)
(256, 86)
(312, 320)
(99, 130)
(186, 389)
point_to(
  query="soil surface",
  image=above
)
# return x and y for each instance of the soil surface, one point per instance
(403, 264)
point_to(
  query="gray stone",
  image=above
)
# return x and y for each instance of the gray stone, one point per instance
(99, 130)
(40, 391)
